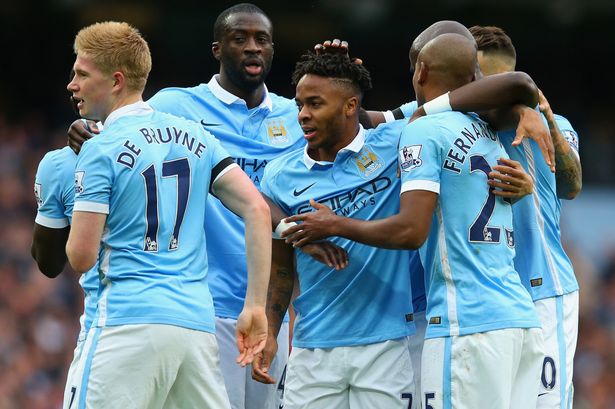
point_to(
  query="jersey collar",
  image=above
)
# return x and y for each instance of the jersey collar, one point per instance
(354, 146)
(228, 98)
(137, 108)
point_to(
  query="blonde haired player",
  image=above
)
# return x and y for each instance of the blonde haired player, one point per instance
(140, 197)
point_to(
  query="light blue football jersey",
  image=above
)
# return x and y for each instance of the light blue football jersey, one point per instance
(471, 282)
(408, 108)
(54, 188)
(151, 172)
(370, 300)
(417, 273)
(545, 269)
(252, 137)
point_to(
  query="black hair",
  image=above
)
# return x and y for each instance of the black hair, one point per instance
(335, 66)
(220, 24)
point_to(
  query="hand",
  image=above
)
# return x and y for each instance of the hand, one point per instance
(79, 133)
(335, 47)
(327, 253)
(315, 225)
(545, 107)
(251, 333)
(262, 361)
(531, 125)
(509, 180)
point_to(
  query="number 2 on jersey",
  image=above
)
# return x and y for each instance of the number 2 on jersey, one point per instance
(479, 230)
(180, 168)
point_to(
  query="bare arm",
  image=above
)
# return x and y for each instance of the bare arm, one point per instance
(84, 240)
(406, 230)
(238, 193)
(568, 175)
(48, 249)
(324, 251)
(278, 299)
(483, 95)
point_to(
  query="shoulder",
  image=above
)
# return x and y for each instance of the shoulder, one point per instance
(277, 165)
(562, 121)
(282, 104)
(179, 92)
(58, 159)
(408, 108)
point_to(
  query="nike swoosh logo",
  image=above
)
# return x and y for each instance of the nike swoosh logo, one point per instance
(299, 192)
(208, 124)
(544, 393)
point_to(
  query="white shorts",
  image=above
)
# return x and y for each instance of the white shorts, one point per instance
(243, 391)
(415, 343)
(150, 366)
(357, 377)
(559, 317)
(495, 370)
(73, 380)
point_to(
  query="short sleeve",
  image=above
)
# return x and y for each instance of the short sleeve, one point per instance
(420, 156)
(568, 132)
(93, 179)
(48, 192)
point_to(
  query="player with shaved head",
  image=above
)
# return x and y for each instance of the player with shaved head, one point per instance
(483, 339)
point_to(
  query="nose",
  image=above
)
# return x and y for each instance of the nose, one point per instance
(252, 45)
(304, 114)
(72, 86)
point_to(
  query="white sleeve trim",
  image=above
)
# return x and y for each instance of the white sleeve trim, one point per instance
(428, 185)
(92, 207)
(224, 171)
(51, 222)
(388, 116)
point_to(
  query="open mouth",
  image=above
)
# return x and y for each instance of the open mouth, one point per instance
(253, 67)
(308, 132)
(76, 102)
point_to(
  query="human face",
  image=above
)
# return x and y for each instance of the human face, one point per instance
(322, 117)
(91, 89)
(245, 50)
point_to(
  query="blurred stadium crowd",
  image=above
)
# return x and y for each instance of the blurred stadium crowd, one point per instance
(38, 316)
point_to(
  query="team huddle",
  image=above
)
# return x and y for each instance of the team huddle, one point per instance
(419, 247)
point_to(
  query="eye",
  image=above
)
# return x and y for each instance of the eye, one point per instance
(263, 40)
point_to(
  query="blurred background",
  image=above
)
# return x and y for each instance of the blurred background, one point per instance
(562, 44)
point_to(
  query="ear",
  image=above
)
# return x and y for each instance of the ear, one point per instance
(119, 80)
(351, 106)
(422, 72)
(215, 50)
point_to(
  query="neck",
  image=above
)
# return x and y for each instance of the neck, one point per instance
(434, 92)
(122, 101)
(253, 97)
(328, 153)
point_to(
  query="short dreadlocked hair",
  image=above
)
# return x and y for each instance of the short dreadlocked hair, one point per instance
(335, 66)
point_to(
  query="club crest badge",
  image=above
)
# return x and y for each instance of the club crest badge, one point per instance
(367, 162)
(276, 132)
(410, 157)
(79, 182)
